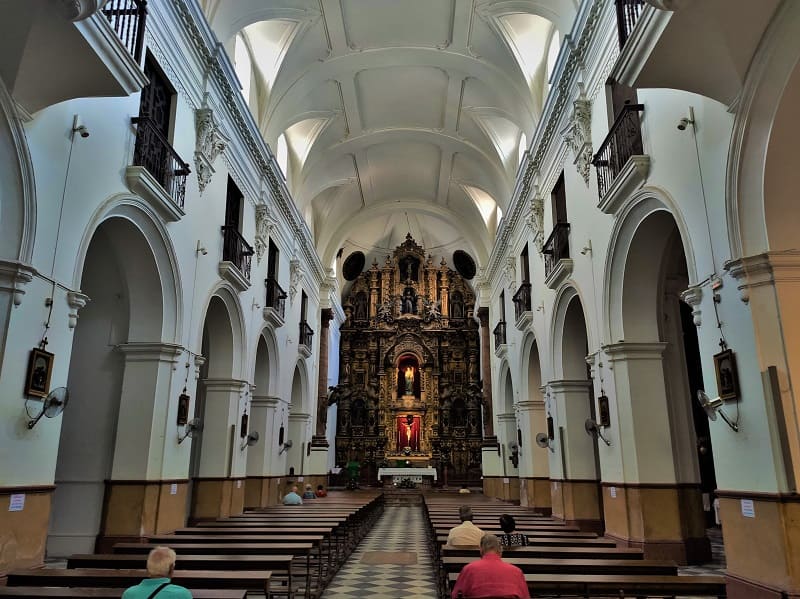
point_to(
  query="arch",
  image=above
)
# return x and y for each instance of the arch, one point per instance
(18, 197)
(266, 363)
(772, 84)
(135, 211)
(644, 223)
(530, 367)
(571, 335)
(225, 294)
(508, 393)
(299, 393)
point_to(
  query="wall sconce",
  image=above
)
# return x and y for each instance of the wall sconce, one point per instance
(183, 408)
(243, 425)
(514, 457)
(551, 433)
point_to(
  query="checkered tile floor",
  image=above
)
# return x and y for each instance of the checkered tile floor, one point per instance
(717, 565)
(399, 529)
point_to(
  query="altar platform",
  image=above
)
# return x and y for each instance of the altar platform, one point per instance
(420, 476)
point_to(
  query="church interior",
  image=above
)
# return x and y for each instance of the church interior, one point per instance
(540, 257)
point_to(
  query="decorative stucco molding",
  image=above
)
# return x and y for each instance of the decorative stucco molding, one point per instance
(210, 144)
(693, 296)
(578, 135)
(76, 300)
(295, 277)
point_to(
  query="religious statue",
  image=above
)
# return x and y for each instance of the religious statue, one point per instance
(385, 312)
(409, 301)
(409, 374)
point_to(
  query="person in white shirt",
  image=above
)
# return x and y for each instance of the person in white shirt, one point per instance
(465, 533)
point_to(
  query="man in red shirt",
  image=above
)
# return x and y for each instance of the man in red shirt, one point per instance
(490, 576)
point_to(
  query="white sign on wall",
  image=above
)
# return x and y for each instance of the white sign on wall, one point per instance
(613, 492)
(173, 489)
(748, 509)
(300, 479)
(16, 502)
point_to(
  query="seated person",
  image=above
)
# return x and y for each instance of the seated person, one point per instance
(309, 493)
(321, 492)
(490, 576)
(464, 490)
(465, 533)
(292, 498)
(511, 538)
(160, 566)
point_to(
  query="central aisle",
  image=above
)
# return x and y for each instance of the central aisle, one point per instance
(400, 538)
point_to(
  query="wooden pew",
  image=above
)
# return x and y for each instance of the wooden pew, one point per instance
(572, 566)
(258, 581)
(101, 593)
(591, 585)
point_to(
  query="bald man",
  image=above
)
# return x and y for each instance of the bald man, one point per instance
(160, 566)
(490, 576)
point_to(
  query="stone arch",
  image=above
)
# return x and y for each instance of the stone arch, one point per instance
(570, 335)
(233, 355)
(266, 363)
(763, 141)
(299, 420)
(136, 212)
(655, 210)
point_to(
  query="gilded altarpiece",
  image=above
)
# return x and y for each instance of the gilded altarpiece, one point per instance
(409, 390)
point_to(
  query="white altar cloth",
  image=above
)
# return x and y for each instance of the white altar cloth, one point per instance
(406, 472)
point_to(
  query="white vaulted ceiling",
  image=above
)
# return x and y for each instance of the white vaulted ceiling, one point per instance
(399, 115)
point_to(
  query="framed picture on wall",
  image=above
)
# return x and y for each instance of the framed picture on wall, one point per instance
(727, 377)
(40, 367)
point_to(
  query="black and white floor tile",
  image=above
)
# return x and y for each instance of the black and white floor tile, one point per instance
(399, 529)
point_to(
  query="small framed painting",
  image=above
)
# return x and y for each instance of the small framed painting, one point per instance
(727, 377)
(40, 368)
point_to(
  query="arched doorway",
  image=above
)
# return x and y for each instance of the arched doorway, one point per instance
(534, 467)
(218, 465)
(262, 420)
(113, 377)
(574, 465)
(299, 422)
(663, 439)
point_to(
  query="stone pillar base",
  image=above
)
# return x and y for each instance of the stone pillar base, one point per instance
(535, 493)
(666, 521)
(761, 547)
(135, 508)
(23, 534)
(577, 503)
(502, 487)
(262, 491)
(214, 498)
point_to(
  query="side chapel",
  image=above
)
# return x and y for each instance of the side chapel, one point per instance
(409, 385)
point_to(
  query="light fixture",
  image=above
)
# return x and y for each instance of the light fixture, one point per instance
(287, 445)
(250, 440)
(514, 456)
(543, 441)
(200, 249)
(713, 406)
(686, 121)
(594, 431)
(78, 127)
(193, 427)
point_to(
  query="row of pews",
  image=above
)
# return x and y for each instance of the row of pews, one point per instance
(277, 552)
(560, 560)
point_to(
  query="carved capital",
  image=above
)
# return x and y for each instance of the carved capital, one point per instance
(295, 277)
(210, 143)
(264, 225)
(76, 300)
(14, 276)
(694, 296)
(510, 271)
(578, 136)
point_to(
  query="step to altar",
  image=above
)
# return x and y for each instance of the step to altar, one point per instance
(394, 496)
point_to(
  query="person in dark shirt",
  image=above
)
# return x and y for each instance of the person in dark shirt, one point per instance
(509, 538)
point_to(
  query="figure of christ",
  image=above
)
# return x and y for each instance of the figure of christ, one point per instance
(409, 380)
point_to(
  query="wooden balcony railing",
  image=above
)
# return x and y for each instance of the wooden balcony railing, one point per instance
(154, 152)
(127, 18)
(556, 248)
(522, 300)
(500, 334)
(628, 12)
(276, 296)
(624, 140)
(306, 334)
(236, 250)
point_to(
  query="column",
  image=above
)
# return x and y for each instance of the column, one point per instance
(534, 468)
(318, 459)
(644, 504)
(143, 495)
(575, 494)
(491, 460)
(219, 486)
(258, 490)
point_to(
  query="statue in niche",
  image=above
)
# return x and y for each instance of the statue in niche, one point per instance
(456, 305)
(361, 306)
(409, 301)
(409, 375)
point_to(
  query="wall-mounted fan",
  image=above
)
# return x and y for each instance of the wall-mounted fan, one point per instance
(594, 431)
(250, 440)
(542, 440)
(52, 406)
(713, 406)
(287, 445)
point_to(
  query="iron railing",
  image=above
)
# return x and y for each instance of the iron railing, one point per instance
(127, 18)
(628, 12)
(624, 140)
(154, 152)
(306, 334)
(522, 300)
(276, 296)
(500, 334)
(556, 248)
(236, 250)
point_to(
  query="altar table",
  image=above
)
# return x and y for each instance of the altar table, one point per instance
(415, 474)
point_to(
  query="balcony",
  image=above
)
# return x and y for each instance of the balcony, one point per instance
(158, 174)
(275, 305)
(522, 306)
(127, 18)
(557, 263)
(628, 12)
(306, 338)
(69, 50)
(236, 257)
(620, 161)
(500, 345)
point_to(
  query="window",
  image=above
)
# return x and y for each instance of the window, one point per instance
(243, 66)
(525, 265)
(282, 156)
(620, 95)
(523, 146)
(503, 305)
(558, 198)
